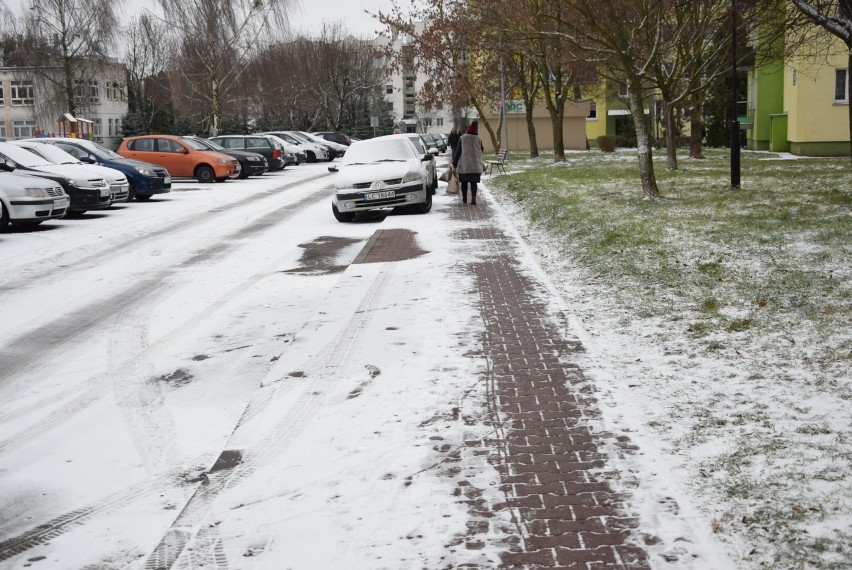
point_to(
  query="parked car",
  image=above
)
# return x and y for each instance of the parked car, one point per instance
(313, 152)
(423, 148)
(251, 163)
(183, 158)
(437, 141)
(384, 172)
(118, 185)
(295, 155)
(86, 191)
(335, 136)
(29, 200)
(145, 179)
(336, 150)
(260, 144)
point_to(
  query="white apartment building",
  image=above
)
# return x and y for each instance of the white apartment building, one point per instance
(401, 90)
(32, 104)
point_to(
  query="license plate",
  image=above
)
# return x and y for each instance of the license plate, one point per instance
(380, 195)
(105, 192)
(60, 203)
(167, 180)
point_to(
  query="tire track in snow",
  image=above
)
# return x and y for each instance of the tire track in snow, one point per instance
(189, 531)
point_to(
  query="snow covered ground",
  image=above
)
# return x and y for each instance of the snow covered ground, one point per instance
(206, 380)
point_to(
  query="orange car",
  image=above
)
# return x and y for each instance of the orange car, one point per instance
(182, 157)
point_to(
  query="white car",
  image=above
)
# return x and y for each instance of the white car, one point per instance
(118, 186)
(87, 191)
(383, 172)
(295, 155)
(336, 148)
(314, 152)
(29, 200)
(423, 148)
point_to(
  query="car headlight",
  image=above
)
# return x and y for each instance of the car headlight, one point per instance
(36, 192)
(223, 160)
(254, 159)
(72, 183)
(145, 171)
(413, 176)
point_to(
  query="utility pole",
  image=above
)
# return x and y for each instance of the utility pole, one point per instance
(735, 124)
(505, 142)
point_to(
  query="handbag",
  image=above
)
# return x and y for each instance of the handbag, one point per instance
(453, 184)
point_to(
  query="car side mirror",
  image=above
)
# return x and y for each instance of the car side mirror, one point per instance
(4, 165)
(433, 151)
(427, 157)
(87, 159)
(332, 169)
(183, 151)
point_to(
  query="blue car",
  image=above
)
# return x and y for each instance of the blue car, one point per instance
(145, 179)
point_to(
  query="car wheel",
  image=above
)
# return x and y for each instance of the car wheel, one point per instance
(131, 192)
(312, 157)
(434, 185)
(341, 216)
(4, 219)
(143, 197)
(221, 178)
(426, 206)
(205, 174)
(74, 213)
(243, 173)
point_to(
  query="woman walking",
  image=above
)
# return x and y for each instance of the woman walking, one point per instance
(467, 161)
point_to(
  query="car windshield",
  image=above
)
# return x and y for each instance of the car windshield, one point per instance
(367, 152)
(301, 137)
(22, 157)
(210, 144)
(54, 154)
(102, 152)
(289, 138)
(193, 144)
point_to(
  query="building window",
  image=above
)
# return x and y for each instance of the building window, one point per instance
(87, 91)
(115, 91)
(2, 99)
(389, 89)
(593, 111)
(841, 86)
(21, 92)
(439, 122)
(23, 129)
(97, 127)
(623, 91)
(113, 127)
(2, 130)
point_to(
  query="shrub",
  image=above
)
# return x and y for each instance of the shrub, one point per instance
(606, 143)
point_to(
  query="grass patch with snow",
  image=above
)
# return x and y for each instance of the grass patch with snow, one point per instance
(742, 302)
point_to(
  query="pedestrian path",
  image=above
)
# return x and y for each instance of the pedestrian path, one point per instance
(559, 487)
(554, 467)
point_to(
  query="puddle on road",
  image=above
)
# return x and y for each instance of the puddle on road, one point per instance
(320, 256)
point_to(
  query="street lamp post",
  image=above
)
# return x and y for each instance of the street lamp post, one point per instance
(735, 123)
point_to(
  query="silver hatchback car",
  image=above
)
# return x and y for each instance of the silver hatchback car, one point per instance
(384, 172)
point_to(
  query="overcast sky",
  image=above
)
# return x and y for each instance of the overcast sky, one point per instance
(309, 15)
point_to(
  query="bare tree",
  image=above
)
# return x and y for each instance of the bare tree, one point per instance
(213, 42)
(835, 16)
(147, 60)
(73, 36)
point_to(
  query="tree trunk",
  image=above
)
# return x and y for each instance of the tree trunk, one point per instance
(671, 137)
(531, 129)
(646, 158)
(696, 132)
(484, 122)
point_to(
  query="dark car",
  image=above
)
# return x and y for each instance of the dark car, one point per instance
(335, 136)
(251, 163)
(261, 144)
(145, 179)
(436, 141)
(87, 191)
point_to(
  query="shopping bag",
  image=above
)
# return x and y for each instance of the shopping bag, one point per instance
(453, 184)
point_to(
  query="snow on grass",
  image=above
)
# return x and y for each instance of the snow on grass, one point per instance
(718, 320)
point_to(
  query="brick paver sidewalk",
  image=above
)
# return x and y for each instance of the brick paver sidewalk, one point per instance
(554, 470)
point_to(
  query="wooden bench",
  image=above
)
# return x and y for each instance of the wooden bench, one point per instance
(499, 162)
